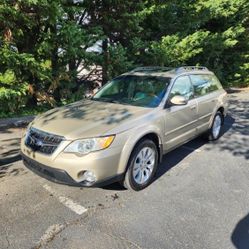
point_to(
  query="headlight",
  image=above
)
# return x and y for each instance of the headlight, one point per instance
(88, 145)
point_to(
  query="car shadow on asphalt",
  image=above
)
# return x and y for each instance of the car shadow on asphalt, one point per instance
(240, 235)
(173, 158)
(9, 148)
(12, 154)
(169, 161)
(238, 135)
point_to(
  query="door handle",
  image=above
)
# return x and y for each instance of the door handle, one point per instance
(193, 107)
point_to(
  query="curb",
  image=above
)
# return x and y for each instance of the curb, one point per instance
(15, 122)
(232, 90)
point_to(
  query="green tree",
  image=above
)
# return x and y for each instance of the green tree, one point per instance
(210, 33)
(120, 24)
(52, 51)
(42, 45)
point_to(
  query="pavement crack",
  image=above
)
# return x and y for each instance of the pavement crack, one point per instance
(125, 240)
(53, 231)
(49, 235)
(6, 237)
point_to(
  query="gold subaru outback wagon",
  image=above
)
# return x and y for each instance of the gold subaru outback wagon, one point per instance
(122, 132)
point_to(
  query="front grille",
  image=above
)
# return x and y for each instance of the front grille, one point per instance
(41, 141)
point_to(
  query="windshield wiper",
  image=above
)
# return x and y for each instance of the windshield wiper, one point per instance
(115, 101)
(102, 99)
(107, 100)
(110, 100)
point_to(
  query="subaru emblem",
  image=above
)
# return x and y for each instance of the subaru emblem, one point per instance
(39, 143)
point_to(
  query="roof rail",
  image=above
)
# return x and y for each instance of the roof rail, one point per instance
(191, 68)
(151, 68)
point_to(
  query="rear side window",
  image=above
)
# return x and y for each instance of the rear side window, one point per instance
(204, 84)
(215, 83)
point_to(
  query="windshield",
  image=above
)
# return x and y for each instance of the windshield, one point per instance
(145, 91)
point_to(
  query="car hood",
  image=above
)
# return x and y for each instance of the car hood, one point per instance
(88, 118)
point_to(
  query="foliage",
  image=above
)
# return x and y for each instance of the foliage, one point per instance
(52, 52)
(210, 33)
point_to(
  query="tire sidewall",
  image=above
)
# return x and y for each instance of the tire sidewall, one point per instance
(211, 135)
(129, 174)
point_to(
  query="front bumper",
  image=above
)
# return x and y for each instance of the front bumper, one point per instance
(69, 167)
(61, 176)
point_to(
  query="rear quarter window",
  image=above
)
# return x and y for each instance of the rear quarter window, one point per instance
(215, 82)
(205, 84)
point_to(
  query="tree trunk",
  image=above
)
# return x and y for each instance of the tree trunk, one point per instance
(55, 66)
(32, 100)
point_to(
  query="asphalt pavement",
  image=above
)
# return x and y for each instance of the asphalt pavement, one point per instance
(199, 199)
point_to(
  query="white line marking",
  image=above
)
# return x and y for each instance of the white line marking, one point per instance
(191, 149)
(75, 207)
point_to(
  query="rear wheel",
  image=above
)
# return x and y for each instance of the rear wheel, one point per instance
(142, 166)
(215, 130)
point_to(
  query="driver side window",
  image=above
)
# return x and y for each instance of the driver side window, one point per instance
(182, 87)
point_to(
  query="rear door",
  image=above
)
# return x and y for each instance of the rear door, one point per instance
(205, 88)
(180, 120)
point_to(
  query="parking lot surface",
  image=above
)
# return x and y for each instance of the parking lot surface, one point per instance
(199, 199)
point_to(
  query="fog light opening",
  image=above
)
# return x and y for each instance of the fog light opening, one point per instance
(88, 176)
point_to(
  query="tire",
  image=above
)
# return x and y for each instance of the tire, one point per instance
(141, 166)
(214, 132)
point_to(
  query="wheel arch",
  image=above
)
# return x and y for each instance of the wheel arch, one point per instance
(129, 147)
(156, 139)
(221, 109)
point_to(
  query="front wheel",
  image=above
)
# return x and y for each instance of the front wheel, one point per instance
(215, 130)
(142, 166)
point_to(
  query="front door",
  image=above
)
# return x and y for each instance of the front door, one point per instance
(180, 120)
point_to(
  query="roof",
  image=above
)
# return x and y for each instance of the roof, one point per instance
(167, 71)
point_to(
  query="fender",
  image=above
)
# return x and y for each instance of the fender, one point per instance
(133, 139)
(222, 103)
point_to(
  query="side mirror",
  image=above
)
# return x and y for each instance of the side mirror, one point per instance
(178, 100)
